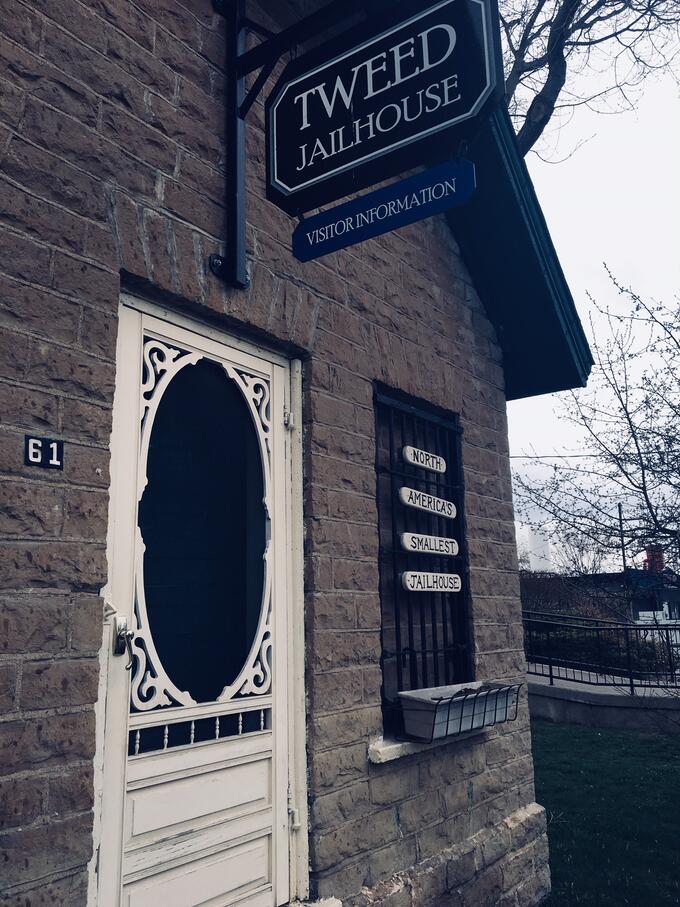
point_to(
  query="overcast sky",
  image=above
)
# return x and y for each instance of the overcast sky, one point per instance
(616, 199)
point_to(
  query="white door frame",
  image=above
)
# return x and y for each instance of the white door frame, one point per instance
(113, 701)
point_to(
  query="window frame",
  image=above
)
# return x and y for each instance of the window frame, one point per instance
(439, 613)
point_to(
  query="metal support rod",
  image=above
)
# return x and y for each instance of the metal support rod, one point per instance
(257, 87)
(232, 267)
(629, 662)
(322, 20)
(623, 544)
(669, 649)
(257, 28)
(626, 584)
(236, 172)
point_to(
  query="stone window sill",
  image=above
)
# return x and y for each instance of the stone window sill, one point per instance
(386, 749)
(324, 902)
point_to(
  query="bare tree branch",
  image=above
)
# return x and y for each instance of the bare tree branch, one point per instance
(581, 51)
(629, 420)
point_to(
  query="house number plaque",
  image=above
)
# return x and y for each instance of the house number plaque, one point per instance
(43, 452)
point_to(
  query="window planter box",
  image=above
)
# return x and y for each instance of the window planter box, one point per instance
(438, 712)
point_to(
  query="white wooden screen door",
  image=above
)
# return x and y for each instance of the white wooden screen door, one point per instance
(195, 756)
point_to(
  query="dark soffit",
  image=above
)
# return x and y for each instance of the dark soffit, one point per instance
(507, 248)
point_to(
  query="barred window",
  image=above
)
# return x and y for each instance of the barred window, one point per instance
(423, 559)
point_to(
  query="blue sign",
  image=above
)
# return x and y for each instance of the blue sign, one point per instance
(384, 210)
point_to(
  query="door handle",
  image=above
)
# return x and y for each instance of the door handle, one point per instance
(122, 640)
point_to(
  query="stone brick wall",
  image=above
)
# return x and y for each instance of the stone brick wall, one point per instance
(431, 339)
(111, 175)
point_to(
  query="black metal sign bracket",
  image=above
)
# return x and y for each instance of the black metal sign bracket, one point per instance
(232, 267)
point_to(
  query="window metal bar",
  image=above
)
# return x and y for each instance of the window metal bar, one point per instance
(441, 438)
(454, 647)
(426, 432)
(414, 600)
(396, 586)
(450, 422)
(433, 480)
(461, 610)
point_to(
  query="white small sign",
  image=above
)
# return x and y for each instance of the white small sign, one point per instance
(428, 544)
(421, 500)
(430, 582)
(424, 459)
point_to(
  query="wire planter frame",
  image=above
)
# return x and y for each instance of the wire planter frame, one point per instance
(441, 712)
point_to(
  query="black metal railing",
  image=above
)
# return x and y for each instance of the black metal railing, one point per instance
(602, 653)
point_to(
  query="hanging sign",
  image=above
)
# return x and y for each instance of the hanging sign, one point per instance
(385, 210)
(430, 582)
(428, 544)
(421, 500)
(350, 114)
(423, 458)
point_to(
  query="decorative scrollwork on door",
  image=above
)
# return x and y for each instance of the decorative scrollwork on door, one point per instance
(258, 396)
(256, 676)
(151, 686)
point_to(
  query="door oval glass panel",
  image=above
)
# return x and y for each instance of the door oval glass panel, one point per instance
(203, 524)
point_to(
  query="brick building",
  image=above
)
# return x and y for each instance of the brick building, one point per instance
(218, 490)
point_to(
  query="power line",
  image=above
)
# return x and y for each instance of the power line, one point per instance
(551, 456)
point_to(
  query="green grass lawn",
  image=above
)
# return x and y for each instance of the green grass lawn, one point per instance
(613, 805)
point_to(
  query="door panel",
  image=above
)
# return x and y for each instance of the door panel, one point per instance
(200, 794)
(181, 763)
(204, 797)
(222, 878)
(180, 849)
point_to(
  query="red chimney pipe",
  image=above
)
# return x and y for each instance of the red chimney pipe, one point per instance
(654, 561)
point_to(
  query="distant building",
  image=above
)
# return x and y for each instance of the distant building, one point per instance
(539, 551)
(648, 594)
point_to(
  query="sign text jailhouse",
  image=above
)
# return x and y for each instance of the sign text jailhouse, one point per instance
(340, 120)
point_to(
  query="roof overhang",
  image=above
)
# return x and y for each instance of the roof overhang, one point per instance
(507, 248)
